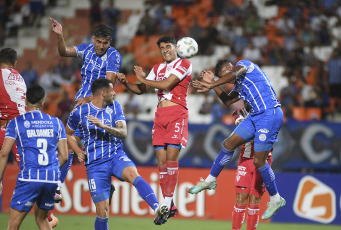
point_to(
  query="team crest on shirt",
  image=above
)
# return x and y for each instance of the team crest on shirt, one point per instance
(27, 124)
(108, 110)
(262, 137)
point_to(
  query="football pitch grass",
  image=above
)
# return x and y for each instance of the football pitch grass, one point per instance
(128, 223)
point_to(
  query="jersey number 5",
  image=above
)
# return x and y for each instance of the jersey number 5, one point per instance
(43, 158)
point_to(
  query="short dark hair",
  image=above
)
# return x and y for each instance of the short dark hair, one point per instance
(35, 94)
(8, 56)
(166, 39)
(99, 84)
(219, 66)
(103, 31)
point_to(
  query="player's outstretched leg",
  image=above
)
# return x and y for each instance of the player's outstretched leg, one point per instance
(202, 186)
(272, 209)
(173, 211)
(161, 214)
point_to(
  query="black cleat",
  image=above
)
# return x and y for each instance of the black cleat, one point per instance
(161, 215)
(173, 211)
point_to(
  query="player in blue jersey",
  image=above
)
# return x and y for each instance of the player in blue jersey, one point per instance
(99, 61)
(266, 117)
(39, 138)
(102, 125)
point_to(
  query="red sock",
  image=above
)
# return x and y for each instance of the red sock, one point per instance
(172, 177)
(163, 179)
(238, 216)
(50, 216)
(253, 217)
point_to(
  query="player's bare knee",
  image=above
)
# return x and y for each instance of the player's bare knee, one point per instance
(228, 145)
(259, 162)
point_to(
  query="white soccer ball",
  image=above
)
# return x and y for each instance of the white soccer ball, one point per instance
(187, 47)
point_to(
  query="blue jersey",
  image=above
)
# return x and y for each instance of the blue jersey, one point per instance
(255, 88)
(98, 143)
(37, 135)
(95, 66)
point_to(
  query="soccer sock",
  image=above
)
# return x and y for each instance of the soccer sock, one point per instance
(253, 217)
(172, 179)
(146, 192)
(163, 179)
(238, 216)
(65, 168)
(222, 159)
(50, 217)
(101, 223)
(268, 178)
(210, 178)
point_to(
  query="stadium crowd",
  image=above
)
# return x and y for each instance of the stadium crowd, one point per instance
(286, 40)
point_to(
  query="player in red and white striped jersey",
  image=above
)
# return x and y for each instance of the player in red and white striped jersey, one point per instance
(12, 93)
(170, 132)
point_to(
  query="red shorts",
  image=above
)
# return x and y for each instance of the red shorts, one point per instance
(14, 148)
(248, 179)
(170, 126)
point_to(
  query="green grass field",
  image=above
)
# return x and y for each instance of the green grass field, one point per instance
(125, 223)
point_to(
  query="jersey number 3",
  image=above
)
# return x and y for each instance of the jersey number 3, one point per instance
(43, 158)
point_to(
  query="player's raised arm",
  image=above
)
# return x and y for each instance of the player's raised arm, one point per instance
(135, 88)
(63, 50)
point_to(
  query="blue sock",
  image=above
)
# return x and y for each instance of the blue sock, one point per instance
(66, 167)
(268, 178)
(222, 159)
(146, 192)
(101, 223)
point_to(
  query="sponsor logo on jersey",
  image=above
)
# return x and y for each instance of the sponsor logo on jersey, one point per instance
(263, 131)
(124, 158)
(184, 69)
(29, 204)
(15, 77)
(315, 201)
(240, 172)
(49, 204)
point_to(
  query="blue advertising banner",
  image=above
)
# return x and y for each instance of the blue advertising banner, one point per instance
(310, 198)
(302, 146)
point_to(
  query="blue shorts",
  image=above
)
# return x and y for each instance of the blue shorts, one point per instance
(99, 175)
(27, 193)
(263, 127)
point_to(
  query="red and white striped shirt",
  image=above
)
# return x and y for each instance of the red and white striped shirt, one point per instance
(12, 94)
(182, 68)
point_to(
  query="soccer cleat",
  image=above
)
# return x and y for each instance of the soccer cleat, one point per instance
(58, 197)
(173, 211)
(112, 190)
(54, 222)
(161, 215)
(202, 186)
(272, 209)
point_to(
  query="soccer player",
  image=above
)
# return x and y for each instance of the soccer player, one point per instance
(100, 60)
(170, 131)
(12, 94)
(102, 125)
(39, 137)
(266, 117)
(12, 100)
(248, 183)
